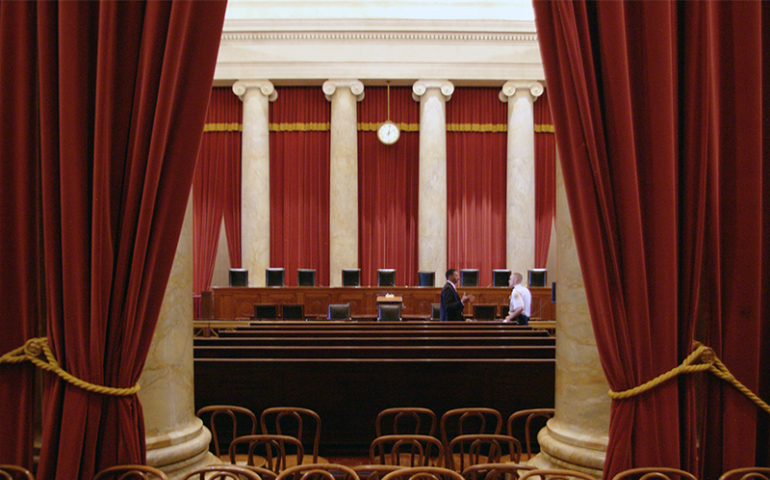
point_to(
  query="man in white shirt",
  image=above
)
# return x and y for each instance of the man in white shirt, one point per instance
(521, 301)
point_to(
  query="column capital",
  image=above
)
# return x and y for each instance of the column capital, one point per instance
(535, 89)
(356, 87)
(421, 86)
(265, 86)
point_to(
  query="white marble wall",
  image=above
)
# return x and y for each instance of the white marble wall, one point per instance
(343, 176)
(255, 183)
(176, 439)
(432, 209)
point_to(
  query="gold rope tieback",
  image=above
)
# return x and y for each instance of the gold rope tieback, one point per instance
(31, 351)
(710, 363)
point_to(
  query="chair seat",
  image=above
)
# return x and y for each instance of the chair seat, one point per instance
(242, 458)
(291, 460)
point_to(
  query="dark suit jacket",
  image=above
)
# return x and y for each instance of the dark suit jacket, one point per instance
(451, 305)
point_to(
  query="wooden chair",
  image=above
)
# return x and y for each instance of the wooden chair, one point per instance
(467, 450)
(423, 473)
(231, 414)
(222, 472)
(747, 473)
(495, 471)
(14, 472)
(406, 450)
(648, 473)
(464, 421)
(131, 472)
(528, 416)
(412, 420)
(555, 474)
(318, 471)
(276, 448)
(374, 471)
(302, 423)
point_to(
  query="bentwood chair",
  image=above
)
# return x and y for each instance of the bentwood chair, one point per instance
(528, 417)
(224, 419)
(423, 473)
(476, 448)
(406, 420)
(747, 473)
(273, 448)
(318, 471)
(222, 472)
(14, 472)
(555, 474)
(131, 472)
(464, 421)
(406, 450)
(654, 473)
(373, 471)
(495, 471)
(301, 423)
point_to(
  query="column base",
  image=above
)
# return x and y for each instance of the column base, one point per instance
(181, 451)
(557, 453)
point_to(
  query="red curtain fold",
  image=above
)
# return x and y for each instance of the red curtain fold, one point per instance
(388, 177)
(545, 179)
(299, 182)
(662, 155)
(110, 122)
(476, 181)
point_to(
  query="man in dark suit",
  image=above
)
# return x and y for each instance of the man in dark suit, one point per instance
(451, 303)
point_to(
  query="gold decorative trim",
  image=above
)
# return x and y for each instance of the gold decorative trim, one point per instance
(300, 127)
(404, 127)
(222, 127)
(544, 128)
(477, 127)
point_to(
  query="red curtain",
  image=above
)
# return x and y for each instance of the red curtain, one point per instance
(299, 182)
(388, 177)
(545, 179)
(116, 100)
(217, 187)
(476, 181)
(660, 114)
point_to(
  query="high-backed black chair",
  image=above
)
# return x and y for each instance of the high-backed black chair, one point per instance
(537, 277)
(435, 311)
(293, 312)
(306, 277)
(265, 312)
(469, 277)
(386, 277)
(389, 312)
(501, 277)
(427, 279)
(484, 311)
(351, 277)
(274, 277)
(239, 277)
(339, 311)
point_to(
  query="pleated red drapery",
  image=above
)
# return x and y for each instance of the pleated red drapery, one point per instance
(659, 110)
(476, 181)
(299, 182)
(217, 187)
(388, 178)
(545, 179)
(119, 93)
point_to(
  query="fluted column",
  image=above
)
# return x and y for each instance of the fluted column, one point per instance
(520, 210)
(343, 176)
(432, 216)
(256, 96)
(176, 439)
(577, 436)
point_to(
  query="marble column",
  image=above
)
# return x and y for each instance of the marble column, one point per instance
(520, 202)
(176, 439)
(255, 177)
(343, 176)
(576, 437)
(432, 209)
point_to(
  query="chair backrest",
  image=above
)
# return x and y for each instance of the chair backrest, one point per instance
(484, 311)
(389, 312)
(435, 311)
(555, 474)
(351, 277)
(527, 416)
(495, 471)
(339, 311)
(14, 472)
(465, 421)
(239, 277)
(473, 449)
(318, 471)
(265, 312)
(301, 423)
(409, 420)
(469, 277)
(427, 279)
(293, 312)
(273, 448)
(306, 277)
(374, 472)
(222, 472)
(406, 450)
(654, 473)
(386, 277)
(501, 277)
(274, 277)
(747, 473)
(131, 472)
(423, 473)
(223, 419)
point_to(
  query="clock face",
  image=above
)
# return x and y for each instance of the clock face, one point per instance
(388, 133)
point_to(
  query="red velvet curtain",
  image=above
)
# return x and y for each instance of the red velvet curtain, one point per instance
(388, 177)
(116, 100)
(476, 181)
(299, 182)
(545, 179)
(660, 113)
(217, 187)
